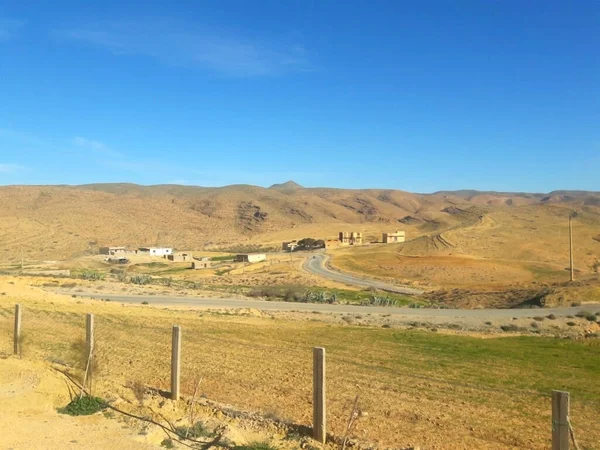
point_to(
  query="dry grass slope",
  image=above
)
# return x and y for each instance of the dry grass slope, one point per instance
(59, 222)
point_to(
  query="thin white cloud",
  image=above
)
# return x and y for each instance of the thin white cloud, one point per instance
(11, 168)
(89, 143)
(9, 28)
(96, 146)
(173, 43)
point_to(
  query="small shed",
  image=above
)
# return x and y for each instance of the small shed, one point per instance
(204, 263)
(179, 257)
(111, 250)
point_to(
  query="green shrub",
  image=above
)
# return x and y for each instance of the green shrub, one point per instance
(571, 324)
(378, 300)
(591, 317)
(83, 406)
(510, 327)
(538, 318)
(551, 316)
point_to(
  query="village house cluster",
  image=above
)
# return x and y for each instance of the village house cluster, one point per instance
(350, 238)
(117, 255)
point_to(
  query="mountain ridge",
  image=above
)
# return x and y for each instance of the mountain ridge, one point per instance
(61, 221)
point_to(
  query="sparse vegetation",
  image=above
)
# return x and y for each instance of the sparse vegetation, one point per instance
(140, 279)
(255, 446)
(199, 429)
(380, 300)
(319, 295)
(91, 275)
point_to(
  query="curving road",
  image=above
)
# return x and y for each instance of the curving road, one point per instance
(316, 265)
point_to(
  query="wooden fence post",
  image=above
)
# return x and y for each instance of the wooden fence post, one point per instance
(17, 333)
(89, 334)
(89, 348)
(175, 362)
(560, 420)
(319, 403)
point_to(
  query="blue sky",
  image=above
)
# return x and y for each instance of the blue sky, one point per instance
(420, 96)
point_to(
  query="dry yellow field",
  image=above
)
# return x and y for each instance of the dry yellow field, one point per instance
(416, 387)
(507, 246)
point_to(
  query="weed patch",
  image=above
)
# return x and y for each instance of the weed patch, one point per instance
(255, 446)
(84, 406)
(167, 443)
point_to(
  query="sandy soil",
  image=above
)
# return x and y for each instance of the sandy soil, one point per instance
(30, 392)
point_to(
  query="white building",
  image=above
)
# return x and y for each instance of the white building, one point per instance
(251, 257)
(156, 251)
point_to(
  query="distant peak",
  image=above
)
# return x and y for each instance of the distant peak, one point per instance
(287, 185)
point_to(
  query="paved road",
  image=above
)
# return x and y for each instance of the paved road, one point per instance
(222, 303)
(316, 265)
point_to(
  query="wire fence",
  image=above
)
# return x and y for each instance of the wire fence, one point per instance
(244, 364)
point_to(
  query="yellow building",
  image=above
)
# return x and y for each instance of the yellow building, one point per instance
(351, 238)
(396, 236)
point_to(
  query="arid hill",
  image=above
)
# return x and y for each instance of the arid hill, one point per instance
(56, 222)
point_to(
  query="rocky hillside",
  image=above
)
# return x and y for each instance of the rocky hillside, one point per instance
(55, 222)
